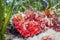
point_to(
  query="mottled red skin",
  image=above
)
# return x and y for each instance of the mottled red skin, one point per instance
(35, 27)
(30, 29)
